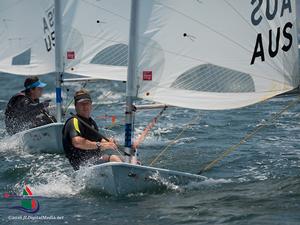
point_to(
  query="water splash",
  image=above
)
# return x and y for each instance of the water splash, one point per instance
(11, 144)
(51, 176)
(164, 182)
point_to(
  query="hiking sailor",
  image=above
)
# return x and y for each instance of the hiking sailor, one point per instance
(24, 110)
(81, 141)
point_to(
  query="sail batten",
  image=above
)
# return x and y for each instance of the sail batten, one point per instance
(232, 52)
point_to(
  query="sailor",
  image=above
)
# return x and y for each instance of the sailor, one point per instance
(82, 144)
(24, 110)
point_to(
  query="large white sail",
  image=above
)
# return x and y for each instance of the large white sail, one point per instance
(94, 37)
(298, 19)
(26, 32)
(215, 54)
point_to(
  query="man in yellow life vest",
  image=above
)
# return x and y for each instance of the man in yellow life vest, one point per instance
(82, 145)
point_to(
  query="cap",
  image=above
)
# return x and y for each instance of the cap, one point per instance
(81, 96)
(33, 82)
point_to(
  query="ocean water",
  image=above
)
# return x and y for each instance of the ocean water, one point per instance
(258, 183)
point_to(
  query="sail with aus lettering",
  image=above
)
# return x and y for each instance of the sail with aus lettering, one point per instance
(213, 54)
(202, 54)
(94, 37)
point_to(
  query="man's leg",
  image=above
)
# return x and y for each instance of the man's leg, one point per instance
(115, 158)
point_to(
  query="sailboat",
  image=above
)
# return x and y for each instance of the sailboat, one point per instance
(85, 38)
(206, 55)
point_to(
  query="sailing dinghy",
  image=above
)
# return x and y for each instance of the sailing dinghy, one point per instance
(57, 37)
(119, 179)
(207, 55)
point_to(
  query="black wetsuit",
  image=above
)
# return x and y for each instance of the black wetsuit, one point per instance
(23, 113)
(78, 157)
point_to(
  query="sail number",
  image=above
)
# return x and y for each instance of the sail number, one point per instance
(49, 31)
(279, 8)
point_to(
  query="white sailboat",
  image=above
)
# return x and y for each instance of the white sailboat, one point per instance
(84, 38)
(209, 55)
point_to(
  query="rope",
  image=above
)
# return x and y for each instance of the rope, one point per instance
(174, 141)
(141, 138)
(247, 137)
(104, 98)
(72, 100)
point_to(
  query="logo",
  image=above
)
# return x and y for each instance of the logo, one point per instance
(147, 75)
(28, 203)
(70, 55)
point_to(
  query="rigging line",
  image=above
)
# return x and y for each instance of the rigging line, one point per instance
(47, 115)
(141, 138)
(72, 100)
(204, 25)
(97, 106)
(247, 137)
(106, 10)
(174, 141)
(217, 32)
(119, 150)
(104, 98)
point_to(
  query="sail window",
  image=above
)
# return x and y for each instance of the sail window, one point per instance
(114, 55)
(212, 78)
(22, 59)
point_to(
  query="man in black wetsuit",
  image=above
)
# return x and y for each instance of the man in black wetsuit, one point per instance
(24, 110)
(83, 146)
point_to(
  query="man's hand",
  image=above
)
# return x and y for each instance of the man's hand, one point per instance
(113, 140)
(46, 103)
(109, 145)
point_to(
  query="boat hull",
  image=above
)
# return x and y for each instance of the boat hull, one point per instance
(43, 139)
(119, 179)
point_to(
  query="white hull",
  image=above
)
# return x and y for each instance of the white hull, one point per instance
(122, 178)
(43, 139)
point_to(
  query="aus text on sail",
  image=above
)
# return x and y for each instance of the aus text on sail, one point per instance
(279, 9)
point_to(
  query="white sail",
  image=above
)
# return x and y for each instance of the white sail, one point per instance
(94, 37)
(26, 32)
(298, 19)
(215, 54)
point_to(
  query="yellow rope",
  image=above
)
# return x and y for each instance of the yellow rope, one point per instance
(174, 141)
(247, 137)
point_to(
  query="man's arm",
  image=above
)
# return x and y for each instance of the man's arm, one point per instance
(85, 144)
(25, 105)
(82, 143)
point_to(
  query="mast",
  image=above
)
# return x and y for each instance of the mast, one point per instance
(58, 58)
(130, 85)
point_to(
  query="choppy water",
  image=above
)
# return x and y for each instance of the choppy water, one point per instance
(259, 183)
